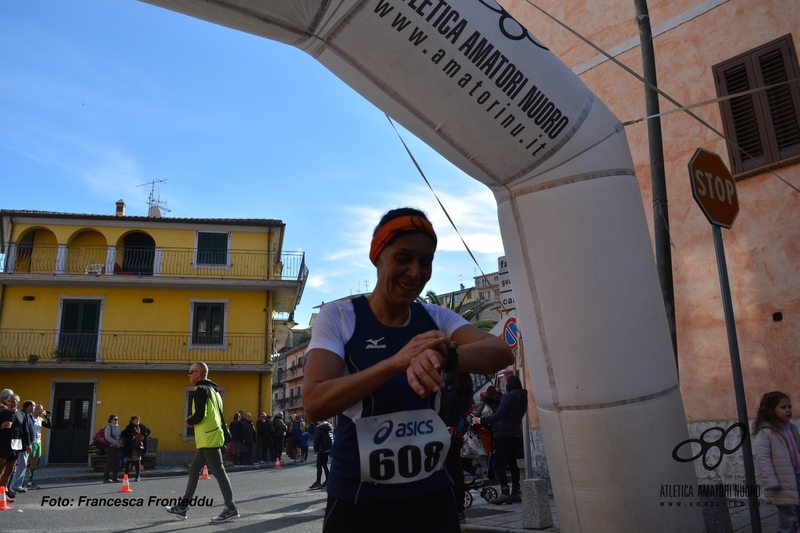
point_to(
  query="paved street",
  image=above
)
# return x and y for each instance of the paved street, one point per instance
(268, 500)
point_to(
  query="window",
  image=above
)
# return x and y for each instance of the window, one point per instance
(212, 249)
(208, 323)
(457, 298)
(765, 124)
(79, 333)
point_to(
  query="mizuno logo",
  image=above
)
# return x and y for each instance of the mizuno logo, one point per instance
(373, 343)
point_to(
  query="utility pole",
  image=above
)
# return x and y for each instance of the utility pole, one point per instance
(657, 177)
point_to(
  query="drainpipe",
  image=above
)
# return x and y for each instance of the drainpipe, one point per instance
(657, 177)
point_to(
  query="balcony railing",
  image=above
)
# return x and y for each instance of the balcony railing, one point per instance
(154, 261)
(128, 347)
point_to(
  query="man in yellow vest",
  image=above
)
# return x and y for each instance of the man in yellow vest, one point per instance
(207, 420)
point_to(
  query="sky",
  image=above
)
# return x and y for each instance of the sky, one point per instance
(100, 98)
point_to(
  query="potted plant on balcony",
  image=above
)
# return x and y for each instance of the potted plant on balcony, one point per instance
(33, 358)
(64, 354)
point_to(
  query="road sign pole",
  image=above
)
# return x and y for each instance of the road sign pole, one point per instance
(738, 382)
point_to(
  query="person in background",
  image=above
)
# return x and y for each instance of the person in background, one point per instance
(248, 439)
(41, 419)
(280, 435)
(507, 432)
(237, 438)
(11, 441)
(296, 432)
(135, 445)
(459, 400)
(775, 449)
(17, 481)
(112, 434)
(489, 402)
(376, 362)
(265, 433)
(323, 441)
(207, 420)
(4, 394)
(304, 438)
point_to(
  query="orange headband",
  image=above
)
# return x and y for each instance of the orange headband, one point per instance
(388, 231)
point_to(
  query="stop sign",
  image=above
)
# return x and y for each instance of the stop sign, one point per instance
(713, 188)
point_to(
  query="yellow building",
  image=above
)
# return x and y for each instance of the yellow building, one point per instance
(103, 314)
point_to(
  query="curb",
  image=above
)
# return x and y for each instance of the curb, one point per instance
(152, 473)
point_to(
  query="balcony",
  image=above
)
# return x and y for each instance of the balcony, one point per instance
(283, 274)
(291, 373)
(122, 349)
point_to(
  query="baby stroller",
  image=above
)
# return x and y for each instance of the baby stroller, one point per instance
(474, 461)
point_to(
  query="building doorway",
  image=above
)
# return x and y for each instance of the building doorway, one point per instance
(72, 416)
(138, 254)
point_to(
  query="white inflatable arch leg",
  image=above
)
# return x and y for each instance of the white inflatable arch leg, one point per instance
(470, 81)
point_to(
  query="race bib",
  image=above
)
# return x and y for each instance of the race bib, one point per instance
(16, 444)
(401, 447)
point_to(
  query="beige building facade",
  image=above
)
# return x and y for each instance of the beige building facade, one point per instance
(705, 50)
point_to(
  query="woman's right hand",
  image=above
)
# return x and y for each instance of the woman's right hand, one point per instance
(425, 354)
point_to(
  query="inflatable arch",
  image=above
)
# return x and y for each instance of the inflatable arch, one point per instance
(474, 84)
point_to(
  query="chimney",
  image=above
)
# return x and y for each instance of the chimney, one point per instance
(120, 208)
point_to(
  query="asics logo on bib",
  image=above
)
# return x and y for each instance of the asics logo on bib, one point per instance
(384, 430)
(410, 429)
(406, 429)
(373, 343)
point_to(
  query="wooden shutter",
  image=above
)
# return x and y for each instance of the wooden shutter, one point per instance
(765, 125)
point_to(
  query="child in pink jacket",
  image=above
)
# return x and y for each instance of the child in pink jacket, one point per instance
(777, 456)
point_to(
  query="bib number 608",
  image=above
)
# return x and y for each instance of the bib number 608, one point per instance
(408, 463)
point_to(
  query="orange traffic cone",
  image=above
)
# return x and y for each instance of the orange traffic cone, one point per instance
(126, 486)
(278, 462)
(3, 504)
(205, 473)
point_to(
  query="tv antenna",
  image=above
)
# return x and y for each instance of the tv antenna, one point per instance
(154, 203)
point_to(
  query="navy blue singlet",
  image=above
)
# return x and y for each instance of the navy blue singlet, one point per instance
(373, 342)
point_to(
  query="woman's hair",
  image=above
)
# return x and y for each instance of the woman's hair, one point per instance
(134, 417)
(513, 382)
(461, 382)
(237, 417)
(491, 391)
(111, 417)
(766, 410)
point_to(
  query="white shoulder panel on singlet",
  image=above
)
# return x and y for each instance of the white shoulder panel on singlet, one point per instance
(336, 323)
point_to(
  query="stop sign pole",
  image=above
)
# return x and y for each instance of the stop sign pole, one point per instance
(714, 190)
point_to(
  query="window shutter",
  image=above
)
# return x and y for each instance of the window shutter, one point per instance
(782, 106)
(765, 125)
(743, 113)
